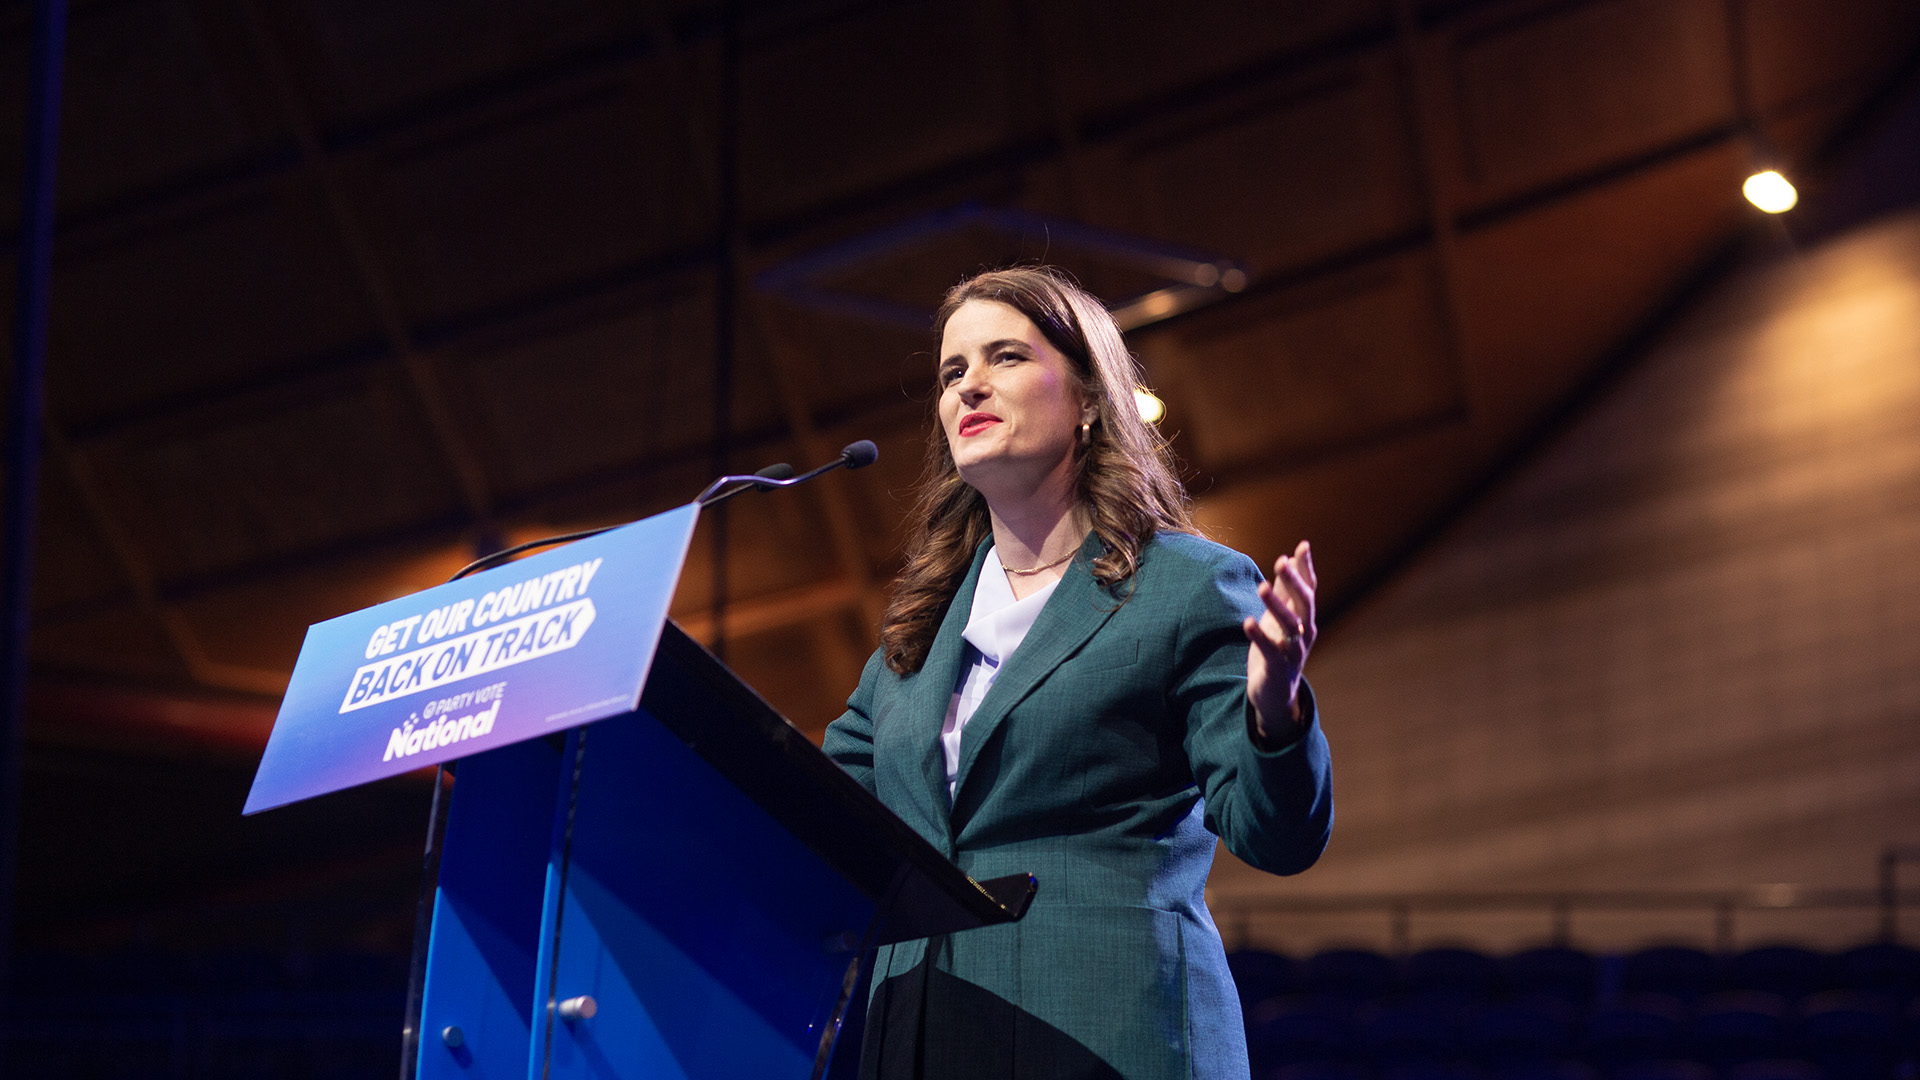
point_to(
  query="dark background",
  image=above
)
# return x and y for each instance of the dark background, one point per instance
(347, 292)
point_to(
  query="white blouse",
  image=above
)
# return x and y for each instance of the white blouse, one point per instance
(996, 626)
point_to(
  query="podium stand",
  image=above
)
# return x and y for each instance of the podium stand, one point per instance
(696, 868)
(685, 888)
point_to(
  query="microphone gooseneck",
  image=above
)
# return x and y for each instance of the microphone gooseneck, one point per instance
(855, 455)
(487, 562)
(758, 481)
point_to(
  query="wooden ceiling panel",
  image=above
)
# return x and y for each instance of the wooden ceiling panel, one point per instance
(805, 670)
(916, 272)
(883, 493)
(1116, 53)
(72, 712)
(1543, 298)
(363, 58)
(851, 365)
(348, 460)
(1360, 510)
(556, 406)
(1798, 48)
(146, 103)
(245, 289)
(227, 621)
(778, 541)
(1540, 101)
(530, 187)
(468, 225)
(1289, 175)
(856, 102)
(1309, 370)
(72, 565)
(117, 644)
(13, 125)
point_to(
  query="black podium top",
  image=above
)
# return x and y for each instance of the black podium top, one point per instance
(919, 891)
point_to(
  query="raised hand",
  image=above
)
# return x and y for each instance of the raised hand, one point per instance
(1279, 641)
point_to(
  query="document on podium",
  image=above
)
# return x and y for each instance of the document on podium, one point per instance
(547, 643)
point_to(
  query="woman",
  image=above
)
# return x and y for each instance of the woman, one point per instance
(1070, 682)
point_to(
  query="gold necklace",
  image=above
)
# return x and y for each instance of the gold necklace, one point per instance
(1037, 569)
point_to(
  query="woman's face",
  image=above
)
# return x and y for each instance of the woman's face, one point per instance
(1010, 405)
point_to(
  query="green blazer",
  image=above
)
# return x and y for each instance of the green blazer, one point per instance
(1112, 748)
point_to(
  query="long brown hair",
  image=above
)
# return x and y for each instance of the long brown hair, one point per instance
(1123, 475)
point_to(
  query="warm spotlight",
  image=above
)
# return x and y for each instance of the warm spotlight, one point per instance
(1770, 192)
(1151, 407)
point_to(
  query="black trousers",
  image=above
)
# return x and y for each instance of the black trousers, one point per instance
(928, 1024)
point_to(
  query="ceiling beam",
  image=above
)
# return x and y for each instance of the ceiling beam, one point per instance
(790, 374)
(324, 173)
(621, 488)
(1432, 118)
(527, 315)
(138, 574)
(1341, 262)
(163, 203)
(776, 611)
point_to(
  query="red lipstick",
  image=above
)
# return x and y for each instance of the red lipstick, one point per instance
(975, 422)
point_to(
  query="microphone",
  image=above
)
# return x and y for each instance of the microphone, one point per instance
(856, 455)
(767, 476)
(758, 481)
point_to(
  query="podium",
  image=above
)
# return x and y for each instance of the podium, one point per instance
(674, 883)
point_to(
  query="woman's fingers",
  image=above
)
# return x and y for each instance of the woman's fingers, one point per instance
(1281, 635)
(1279, 649)
(1273, 667)
(1280, 607)
(1299, 596)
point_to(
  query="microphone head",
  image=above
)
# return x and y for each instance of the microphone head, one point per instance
(860, 454)
(782, 471)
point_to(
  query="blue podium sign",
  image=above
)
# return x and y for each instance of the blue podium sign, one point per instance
(547, 643)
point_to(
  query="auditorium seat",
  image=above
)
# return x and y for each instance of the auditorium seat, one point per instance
(1260, 975)
(1776, 1069)
(1639, 1028)
(353, 972)
(242, 971)
(1674, 970)
(1450, 973)
(1353, 974)
(1408, 1035)
(1317, 1070)
(1662, 1069)
(1850, 1034)
(1299, 1029)
(1433, 1070)
(1786, 970)
(1556, 971)
(1566, 1069)
(1735, 1027)
(1532, 1031)
(1908, 1041)
(1545, 1014)
(1884, 968)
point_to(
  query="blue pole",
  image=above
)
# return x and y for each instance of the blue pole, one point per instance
(23, 443)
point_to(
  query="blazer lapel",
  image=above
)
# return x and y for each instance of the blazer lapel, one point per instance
(1077, 608)
(930, 691)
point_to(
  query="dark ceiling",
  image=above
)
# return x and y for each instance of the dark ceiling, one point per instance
(348, 289)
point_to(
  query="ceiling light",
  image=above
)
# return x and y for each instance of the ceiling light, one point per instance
(1151, 407)
(1770, 192)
